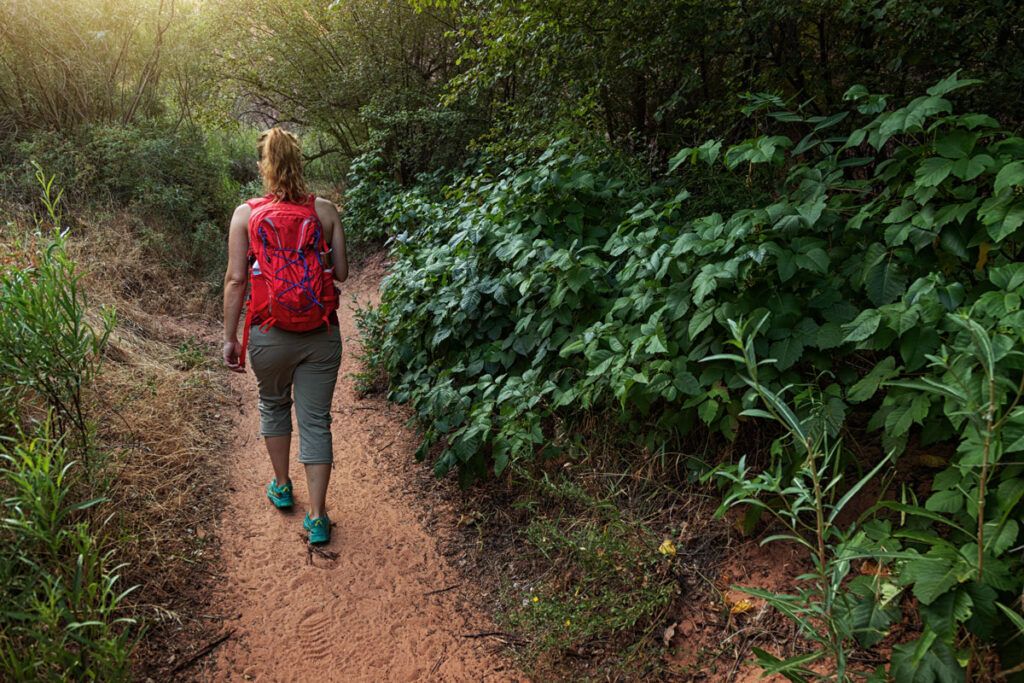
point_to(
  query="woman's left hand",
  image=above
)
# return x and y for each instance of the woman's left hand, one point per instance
(232, 355)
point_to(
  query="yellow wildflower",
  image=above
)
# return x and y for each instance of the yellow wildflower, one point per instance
(741, 606)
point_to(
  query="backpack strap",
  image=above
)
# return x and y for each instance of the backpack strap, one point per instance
(257, 202)
(254, 203)
(245, 336)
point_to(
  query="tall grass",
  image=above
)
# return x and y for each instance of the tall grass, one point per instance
(60, 616)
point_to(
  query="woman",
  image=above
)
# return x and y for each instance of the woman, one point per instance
(294, 261)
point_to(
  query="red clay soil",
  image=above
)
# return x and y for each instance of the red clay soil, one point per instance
(366, 609)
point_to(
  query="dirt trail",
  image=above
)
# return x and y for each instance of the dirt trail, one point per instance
(366, 615)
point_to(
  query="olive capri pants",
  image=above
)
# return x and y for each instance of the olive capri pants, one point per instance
(306, 363)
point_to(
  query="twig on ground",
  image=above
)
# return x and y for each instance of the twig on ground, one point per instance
(442, 590)
(315, 549)
(205, 650)
(741, 654)
(439, 662)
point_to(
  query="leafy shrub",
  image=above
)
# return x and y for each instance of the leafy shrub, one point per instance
(60, 620)
(377, 208)
(48, 349)
(159, 170)
(369, 376)
(476, 281)
(180, 180)
(954, 554)
(368, 198)
(878, 243)
(412, 138)
(804, 493)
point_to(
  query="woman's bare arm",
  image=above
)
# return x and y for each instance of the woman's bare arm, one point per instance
(235, 282)
(331, 221)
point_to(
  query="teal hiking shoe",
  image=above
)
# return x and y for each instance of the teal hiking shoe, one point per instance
(319, 529)
(280, 496)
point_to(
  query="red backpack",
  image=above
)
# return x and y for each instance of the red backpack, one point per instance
(291, 276)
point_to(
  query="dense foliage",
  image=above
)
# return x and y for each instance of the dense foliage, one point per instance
(653, 76)
(880, 256)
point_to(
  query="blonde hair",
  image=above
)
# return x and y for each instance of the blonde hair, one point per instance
(281, 165)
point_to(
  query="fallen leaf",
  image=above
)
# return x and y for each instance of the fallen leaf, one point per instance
(668, 634)
(983, 250)
(667, 548)
(930, 460)
(873, 568)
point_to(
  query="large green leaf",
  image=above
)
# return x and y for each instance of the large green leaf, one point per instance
(866, 387)
(956, 144)
(829, 336)
(700, 320)
(708, 410)
(786, 352)
(947, 612)
(969, 169)
(934, 573)
(925, 660)
(905, 412)
(1009, 175)
(863, 326)
(1001, 215)
(909, 119)
(951, 83)
(1001, 538)
(869, 611)
(884, 282)
(1008, 277)
(933, 171)
(949, 501)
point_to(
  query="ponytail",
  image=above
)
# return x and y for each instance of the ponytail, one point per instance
(281, 165)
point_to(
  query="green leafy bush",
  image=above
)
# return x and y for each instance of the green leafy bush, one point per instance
(368, 198)
(48, 349)
(878, 243)
(60, 618)
(804, 493)
(377, 208)
(173, 173)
